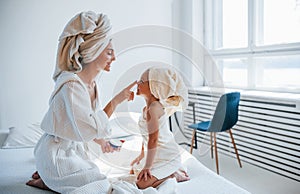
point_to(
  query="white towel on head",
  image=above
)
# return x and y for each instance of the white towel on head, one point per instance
(167, 85)
(82, 40)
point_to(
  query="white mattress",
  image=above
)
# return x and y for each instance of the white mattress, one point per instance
(17, 165)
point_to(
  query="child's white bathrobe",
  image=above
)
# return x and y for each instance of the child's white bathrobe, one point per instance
(168, 155)
(62, 154)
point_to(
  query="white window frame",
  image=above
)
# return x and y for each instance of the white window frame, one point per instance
(212, 18)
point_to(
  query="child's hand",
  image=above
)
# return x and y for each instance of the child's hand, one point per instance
(144, 174)
(138, 159)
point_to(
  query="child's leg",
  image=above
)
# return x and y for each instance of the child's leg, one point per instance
(152, 182)
(158, 182)
(142, 184)
(180, 176)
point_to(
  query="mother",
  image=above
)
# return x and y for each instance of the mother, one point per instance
(74, 117)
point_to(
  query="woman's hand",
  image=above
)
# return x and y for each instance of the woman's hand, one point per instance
(144, 174)
(125, 94)
(105, 146)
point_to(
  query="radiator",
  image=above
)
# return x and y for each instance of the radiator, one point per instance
(267, 133)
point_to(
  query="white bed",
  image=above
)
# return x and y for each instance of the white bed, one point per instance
(17, 165)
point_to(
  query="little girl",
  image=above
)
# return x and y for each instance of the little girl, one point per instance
(164, 92)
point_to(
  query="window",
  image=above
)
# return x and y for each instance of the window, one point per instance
(234, 71)
(281, 22)
(255, 43)
(234, 25)
(278, 72)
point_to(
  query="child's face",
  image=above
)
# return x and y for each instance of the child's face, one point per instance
(143, 88)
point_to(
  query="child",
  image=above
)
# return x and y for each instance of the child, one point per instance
(164, 92)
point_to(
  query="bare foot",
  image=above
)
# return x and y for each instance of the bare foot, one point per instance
(181, 176)
(39, 183)
(35, 175)
(131, 171)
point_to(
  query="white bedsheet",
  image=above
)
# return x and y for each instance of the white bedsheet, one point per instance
(17, 165)
(203, 180)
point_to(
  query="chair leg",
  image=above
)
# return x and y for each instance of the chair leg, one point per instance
(236, 151)
(211, 146)
(216, 152)
(192, 142)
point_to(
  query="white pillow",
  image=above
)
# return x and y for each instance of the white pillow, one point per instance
(23, 137)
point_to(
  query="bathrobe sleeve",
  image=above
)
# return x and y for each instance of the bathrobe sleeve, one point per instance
(70, 115)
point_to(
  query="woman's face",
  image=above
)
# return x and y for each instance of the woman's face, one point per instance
(143, 88)
(104, 60)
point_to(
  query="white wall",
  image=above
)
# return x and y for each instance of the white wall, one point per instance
(29, 36)
(188, 17)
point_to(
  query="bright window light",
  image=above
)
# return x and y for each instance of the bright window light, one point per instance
(234, 72)
(279, 71)
(256, 43)
(235, 23)
(281, 22)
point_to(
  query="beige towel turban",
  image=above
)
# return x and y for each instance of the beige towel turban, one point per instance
(82, 41)
(168, 86)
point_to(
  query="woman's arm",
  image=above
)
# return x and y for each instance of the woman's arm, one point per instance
(126, 93)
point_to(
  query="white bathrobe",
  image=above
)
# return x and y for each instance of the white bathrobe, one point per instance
(63, 158)
(168, 155)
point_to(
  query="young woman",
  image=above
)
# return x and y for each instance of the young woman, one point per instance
(74, 117)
